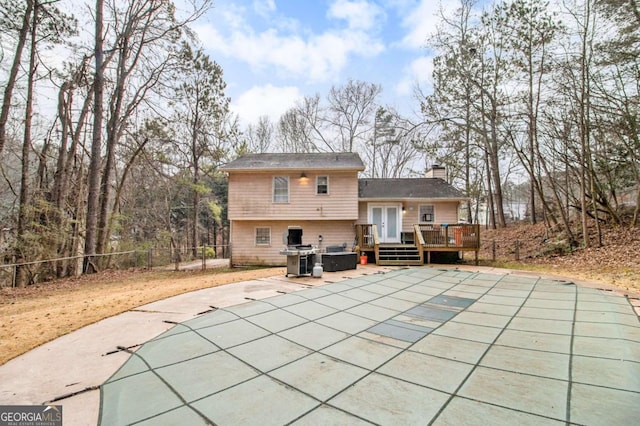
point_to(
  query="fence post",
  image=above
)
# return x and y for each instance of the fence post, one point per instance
(204, 257)
(149, 259)
(493, 250)
(517, 250)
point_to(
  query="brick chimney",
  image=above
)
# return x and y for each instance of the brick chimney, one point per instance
(437, 171)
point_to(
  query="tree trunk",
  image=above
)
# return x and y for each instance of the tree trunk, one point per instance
(495, 171)
(13, 73)
(196, 201)
(105, 193)
(64, 96)
(584, 125)
(554, 189)
(113, 135)
(65, 172)
(636, 211)
(195, 158)
(194, 220)
(120, 188)
(531, 137)
(67, 154)
(467, 149)
(24, 215)
(93, 191)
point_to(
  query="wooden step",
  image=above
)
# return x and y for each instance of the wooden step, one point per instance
(398, 255)
(388, 262)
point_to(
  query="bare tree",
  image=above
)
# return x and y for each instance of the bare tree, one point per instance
(529, 29)
(93, 190)
(350, 112)
(394, 147)
(24, 215)
(260, 136)
(47, 25)
(11, 11)
(145, 34)
(295, 132)
(343, 124)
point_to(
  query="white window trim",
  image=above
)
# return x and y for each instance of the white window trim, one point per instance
(255, 236)
(317, 178)
(273, 190)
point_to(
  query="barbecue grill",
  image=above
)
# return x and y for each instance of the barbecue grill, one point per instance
(300, 257)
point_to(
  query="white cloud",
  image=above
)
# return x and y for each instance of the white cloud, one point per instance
(420, 23)
(422, 20)
(316, 57)
(419, 71)
(359, 14)
(264, 8)
(266, 100)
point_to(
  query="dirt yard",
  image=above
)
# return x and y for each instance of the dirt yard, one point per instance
(37, 314)
(616, 262)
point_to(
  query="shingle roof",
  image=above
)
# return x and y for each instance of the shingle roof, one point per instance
(308, 161)
(407, 188)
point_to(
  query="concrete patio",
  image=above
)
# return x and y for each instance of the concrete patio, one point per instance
(409, 346)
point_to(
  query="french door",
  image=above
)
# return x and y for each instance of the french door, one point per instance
(386, 217)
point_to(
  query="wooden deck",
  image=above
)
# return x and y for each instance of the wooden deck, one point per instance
(426, 240)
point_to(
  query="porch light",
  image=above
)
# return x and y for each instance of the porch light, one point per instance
(303, 177)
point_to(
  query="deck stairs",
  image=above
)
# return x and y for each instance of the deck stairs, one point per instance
(398, 254)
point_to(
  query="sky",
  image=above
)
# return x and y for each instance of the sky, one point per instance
(274, 52)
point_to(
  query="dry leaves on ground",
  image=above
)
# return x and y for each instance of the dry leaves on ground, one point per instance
(616, 262)
(34, 315)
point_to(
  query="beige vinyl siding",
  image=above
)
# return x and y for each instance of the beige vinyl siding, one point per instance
(246, 252)
(445, 212)
(251, 197)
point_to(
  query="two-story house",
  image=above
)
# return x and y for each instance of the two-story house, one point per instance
(269, 193)
(395, 221)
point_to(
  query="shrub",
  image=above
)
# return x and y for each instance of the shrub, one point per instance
(209, 252)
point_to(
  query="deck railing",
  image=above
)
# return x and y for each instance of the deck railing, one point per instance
(455, 236)
(427, 236)
(418, 239)
(367, 236)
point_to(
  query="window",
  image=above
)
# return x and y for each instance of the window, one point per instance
(322, 185)
(427, 214)
(263, 236)
(281, 189)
